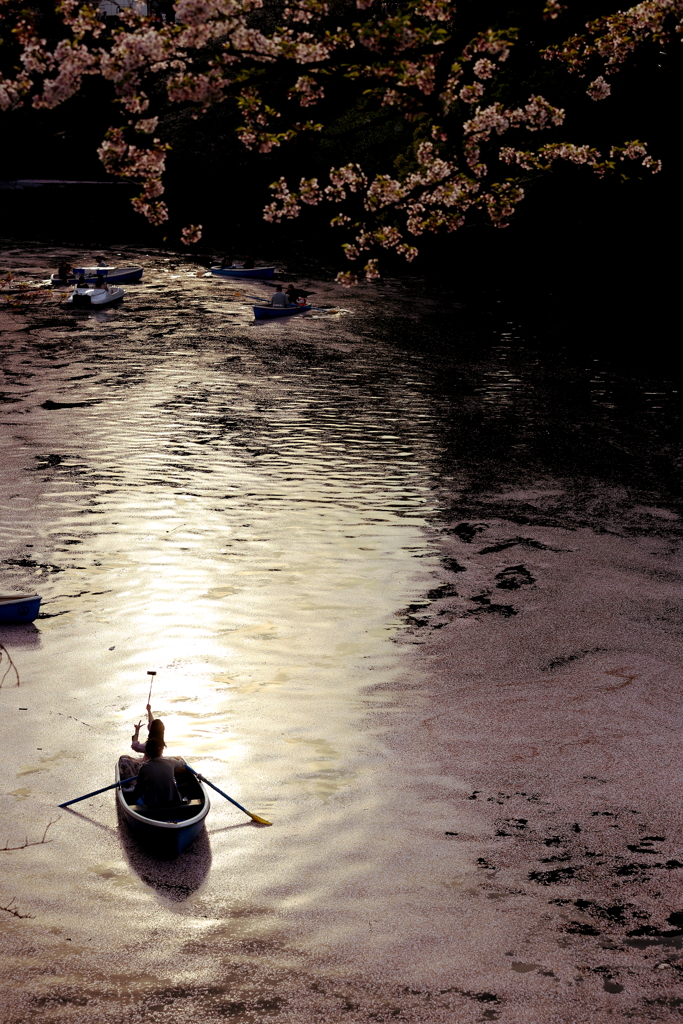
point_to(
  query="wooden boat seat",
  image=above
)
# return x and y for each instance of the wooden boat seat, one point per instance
(178, 812)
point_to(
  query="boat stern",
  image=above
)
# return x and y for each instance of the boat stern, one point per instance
(19, 608)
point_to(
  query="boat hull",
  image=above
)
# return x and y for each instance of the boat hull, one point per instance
(113, 275)
(273, 312)
(23, 609)
(169, 844)
(94, 298)
(164, 836)
(261, 272)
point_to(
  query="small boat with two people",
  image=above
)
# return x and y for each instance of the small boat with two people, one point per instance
(163, 799)
(167, 830)
(100, 294)
(19, 607)
(280, 304)
(67, 275)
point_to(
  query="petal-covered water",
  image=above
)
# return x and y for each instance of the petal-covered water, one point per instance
(277, 518)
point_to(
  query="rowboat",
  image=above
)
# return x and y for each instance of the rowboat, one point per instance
(19, 607)
(271, 312)
(167, 830)
(241, 272)
(113, 275)
(87, 298)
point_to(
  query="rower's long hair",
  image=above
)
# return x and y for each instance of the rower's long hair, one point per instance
(154, 748)
(156, 732)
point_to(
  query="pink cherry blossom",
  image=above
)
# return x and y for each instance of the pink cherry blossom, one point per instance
(347, 278)
(308, 90)
(191, 234)
(599, 89)
(484, 68)
(553, 9)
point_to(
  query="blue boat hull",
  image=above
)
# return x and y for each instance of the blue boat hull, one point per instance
(165, 833)
(261, 272)
(167, 844)
(273, 312)
(127, 275)
(20, 611)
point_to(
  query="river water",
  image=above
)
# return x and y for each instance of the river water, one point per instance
(410, 582)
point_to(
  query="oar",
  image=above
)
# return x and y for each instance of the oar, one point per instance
(259, 298)
(254, 817)
(121, 782)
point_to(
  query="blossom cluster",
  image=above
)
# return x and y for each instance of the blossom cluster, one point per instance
(191, 234)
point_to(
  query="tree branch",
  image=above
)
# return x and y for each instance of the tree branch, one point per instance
(36, 842)
(9, 909)
(11, 666)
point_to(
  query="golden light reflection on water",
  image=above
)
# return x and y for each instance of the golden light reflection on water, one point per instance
(246, 525)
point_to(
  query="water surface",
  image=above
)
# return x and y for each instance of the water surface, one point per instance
(308, 530)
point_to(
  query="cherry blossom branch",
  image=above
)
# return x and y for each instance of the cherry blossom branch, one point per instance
(611, 40)
(412, 56)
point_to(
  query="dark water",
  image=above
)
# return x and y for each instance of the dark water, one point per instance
(273, 517)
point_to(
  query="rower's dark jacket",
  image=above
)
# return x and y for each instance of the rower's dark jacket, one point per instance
(156, 783)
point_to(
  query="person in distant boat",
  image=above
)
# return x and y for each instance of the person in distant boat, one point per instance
(226, 262)
(295, 294)
(64, 271)
(248, 263)
(278, 298)
(156, 785)
(155, 731)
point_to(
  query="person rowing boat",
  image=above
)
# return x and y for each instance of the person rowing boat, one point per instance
(64, 272)
(156, 785)
(278, 299)
(296, 295)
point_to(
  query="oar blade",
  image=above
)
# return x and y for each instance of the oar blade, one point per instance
(254, 817)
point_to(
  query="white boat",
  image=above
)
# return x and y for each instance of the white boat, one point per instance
(94, 298)
(114, 275)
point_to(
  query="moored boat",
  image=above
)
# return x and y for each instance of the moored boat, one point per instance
(113, 275)
(271, 312)
(19, 607)
(166, 830)
(87, 298)
(242, 272)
